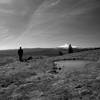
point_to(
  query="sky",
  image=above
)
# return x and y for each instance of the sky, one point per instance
(49, 23)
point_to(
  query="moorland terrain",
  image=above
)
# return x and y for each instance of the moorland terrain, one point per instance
(39, 78)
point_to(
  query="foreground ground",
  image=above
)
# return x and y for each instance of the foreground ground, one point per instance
(37, 79)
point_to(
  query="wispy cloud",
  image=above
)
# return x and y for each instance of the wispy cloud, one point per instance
(5, 1)
(53, 21)
(4, 33)
(6, 11)
(39, 12)
(83, 6)
(54, 3)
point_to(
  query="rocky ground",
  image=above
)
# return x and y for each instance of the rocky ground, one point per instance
(37, 79)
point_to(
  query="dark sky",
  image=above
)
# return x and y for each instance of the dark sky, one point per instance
(49, 23)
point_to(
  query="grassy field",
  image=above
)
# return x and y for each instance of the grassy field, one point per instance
(36, 79)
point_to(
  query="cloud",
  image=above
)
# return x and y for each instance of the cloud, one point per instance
(39, 13)
(83, 7)
(4, 33)
(6, 11)
(5, 1)
(48, 20)
(46, 4)
(54, 3)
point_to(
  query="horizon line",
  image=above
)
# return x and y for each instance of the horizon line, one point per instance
(49, 48)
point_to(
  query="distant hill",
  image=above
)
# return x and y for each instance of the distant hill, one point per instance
(42, 51)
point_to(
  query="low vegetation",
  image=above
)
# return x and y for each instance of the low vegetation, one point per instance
(37, 79)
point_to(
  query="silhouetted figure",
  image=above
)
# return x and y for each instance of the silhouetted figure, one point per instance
(70, 49)
(60, 53)
(20, 53)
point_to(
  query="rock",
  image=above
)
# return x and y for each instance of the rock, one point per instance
(85, 92)
(98, 78)
(79, 86)
(29, 58)
(35, 94)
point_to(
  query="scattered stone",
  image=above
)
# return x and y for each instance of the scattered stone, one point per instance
(29, 58)
(98, 78)
(79, 86)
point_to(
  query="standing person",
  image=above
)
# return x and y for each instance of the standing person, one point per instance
(20, 54)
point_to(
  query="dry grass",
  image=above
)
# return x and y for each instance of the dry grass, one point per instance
(33, 81)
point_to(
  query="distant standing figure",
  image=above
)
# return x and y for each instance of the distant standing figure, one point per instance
(20, 54)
